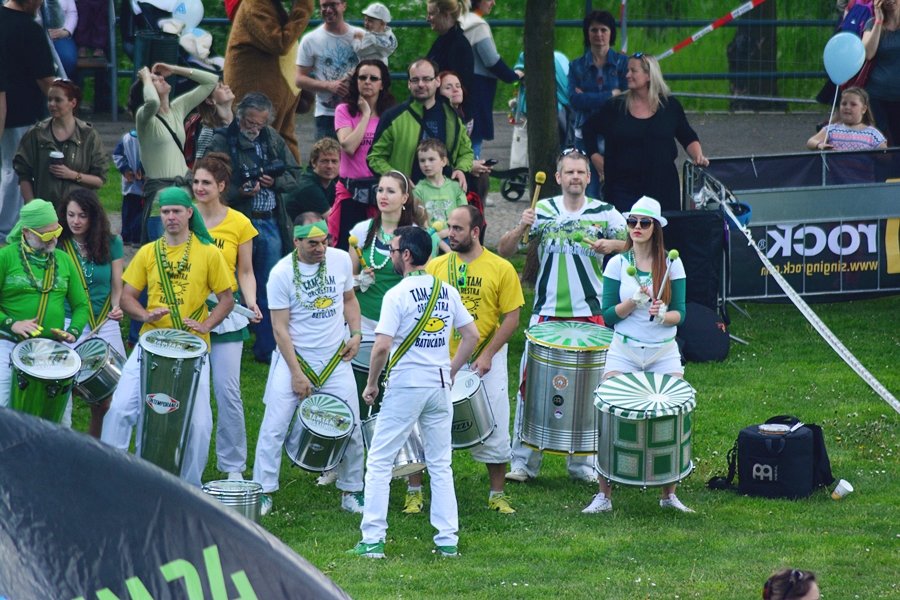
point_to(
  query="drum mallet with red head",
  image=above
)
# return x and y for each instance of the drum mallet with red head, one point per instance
(539, 178)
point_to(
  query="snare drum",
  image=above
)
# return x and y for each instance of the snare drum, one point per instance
(319, 433)
(42, 375)
(473, 419)
(645, 429)
(411, 457)
(101, 368)
(360, 364)
(171, 362)
(564, 366)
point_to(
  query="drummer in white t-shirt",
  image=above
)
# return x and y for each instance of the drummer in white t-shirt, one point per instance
(644, 317)
(311, 297)
(418, 389)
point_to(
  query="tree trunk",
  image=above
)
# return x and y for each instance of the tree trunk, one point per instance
(540, 91)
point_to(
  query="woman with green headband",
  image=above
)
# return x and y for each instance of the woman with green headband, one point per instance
(36, 281)
(233, 233)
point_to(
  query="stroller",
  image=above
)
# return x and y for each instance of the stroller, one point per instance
(515, 179)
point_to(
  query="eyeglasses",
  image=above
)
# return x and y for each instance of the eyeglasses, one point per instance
(644, 223)
(418, 80)
(50, 235)
(637, 55)
(248, 124)
(368, 78)
(571, 150)
(395, 250)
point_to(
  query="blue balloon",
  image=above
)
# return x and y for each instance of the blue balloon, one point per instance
(844, 56)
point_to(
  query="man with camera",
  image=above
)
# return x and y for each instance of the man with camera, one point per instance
(264, 174)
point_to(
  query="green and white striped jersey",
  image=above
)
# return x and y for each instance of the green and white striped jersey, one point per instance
(570, 279)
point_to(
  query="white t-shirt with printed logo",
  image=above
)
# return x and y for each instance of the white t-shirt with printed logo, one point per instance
(330, 57)
(317, 306)
(427, 362)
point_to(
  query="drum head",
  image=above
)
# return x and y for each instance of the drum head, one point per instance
(94, 354)
(46, 359)
(173, 343)
(231, 488)
(363, 357)
(570, 335)
(326, 415)
(464, 386)
(644, 396)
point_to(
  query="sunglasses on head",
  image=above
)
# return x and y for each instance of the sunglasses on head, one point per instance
(46, 237)
(643, 223)
(571, 150)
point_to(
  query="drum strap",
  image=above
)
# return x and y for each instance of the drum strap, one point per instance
(169, 291)
(319, 380)
(93, 319)
(47, 284)
(480, 348)
(410, 339)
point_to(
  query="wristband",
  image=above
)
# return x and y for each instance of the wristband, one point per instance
(355, 332)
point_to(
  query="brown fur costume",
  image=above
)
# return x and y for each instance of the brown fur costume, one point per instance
(262, 48)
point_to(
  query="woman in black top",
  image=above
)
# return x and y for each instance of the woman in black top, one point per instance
(640, 127)
(451, 50)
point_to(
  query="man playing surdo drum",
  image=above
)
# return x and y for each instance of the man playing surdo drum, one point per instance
(311, 298)
(491, 292)
(416, 319)
(574, 233)
(32, 270)
(179, 271)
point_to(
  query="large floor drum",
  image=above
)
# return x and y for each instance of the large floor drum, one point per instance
(564, 366)
(171, 362)
(645, 429)
(360, 364)
(42, 375)
(242, 496)
(319, 433)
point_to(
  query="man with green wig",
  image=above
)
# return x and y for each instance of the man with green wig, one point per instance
(315, 319)
(179, 271)
(36, 280)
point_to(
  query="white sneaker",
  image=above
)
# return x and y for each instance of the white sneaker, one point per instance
(265, 504)
(235, 476)
(327, 478)
(519, 475)
(352, 502)
(600, 503)
(673, 502)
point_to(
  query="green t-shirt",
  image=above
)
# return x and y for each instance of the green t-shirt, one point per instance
(440, 201)
(98, 276)
(19, 298)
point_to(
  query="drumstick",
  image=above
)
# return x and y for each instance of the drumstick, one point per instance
(670, 258)
(580, 237)
(354, 241)
(539, 178)
(632, 270)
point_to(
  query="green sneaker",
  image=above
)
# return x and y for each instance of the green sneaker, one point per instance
(414, 503)
(446, 551)
(375, 550)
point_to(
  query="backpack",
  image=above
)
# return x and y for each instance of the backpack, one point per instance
(192, 127)
(769, 463)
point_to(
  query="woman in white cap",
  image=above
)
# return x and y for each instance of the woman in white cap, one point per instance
(644, 315)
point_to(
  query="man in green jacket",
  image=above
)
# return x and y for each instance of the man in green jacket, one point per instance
(425, 115)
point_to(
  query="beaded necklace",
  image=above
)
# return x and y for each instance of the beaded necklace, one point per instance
(318, 277)
(642, 281)
(26, 256)
(85, 262)
(182, 264)
(381, 234)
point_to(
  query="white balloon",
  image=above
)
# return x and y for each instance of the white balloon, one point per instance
(189, 12)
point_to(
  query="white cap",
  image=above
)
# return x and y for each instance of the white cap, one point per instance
(377, 10)
(647, 207)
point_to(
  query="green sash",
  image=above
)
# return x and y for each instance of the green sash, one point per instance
(93, 320)
(47, 284)
(453, 278)
(410, 339)
(169, 292)
(319, 380)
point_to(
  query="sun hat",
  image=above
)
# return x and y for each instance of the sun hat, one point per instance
(647, 207)
(377, 10)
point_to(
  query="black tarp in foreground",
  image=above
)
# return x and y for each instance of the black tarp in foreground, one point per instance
(81, 520)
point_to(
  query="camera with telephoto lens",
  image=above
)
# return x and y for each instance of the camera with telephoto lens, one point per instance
(251, 174)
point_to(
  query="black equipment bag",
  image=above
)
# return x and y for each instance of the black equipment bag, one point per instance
(703, 336)
(791, 465)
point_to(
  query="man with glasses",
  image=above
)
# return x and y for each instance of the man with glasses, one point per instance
(573, 233)
(426, 114)
(36, 281)
(325, 61)
(263, 176)
(313, 305)
(492, 293)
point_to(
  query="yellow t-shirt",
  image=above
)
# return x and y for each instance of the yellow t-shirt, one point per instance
(234, 230)
(205, 272)
(489, 289)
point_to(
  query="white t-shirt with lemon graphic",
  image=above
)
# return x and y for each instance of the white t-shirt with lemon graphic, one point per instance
(427, 362)
(316, 305)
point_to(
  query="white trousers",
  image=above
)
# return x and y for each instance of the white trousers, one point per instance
(109, 333)
(281, 404)
(10, 195)
(231, 432)
(125, 411)
(527, 458)
(496, 448)
(401, 408)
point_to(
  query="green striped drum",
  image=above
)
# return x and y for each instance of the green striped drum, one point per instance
(565, 361)
(645, 428)
(319, 433)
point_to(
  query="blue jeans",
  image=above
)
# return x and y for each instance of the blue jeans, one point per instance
(266, 252)
(325, 127)
(68, 55)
